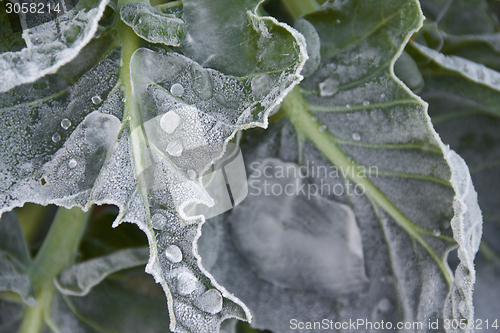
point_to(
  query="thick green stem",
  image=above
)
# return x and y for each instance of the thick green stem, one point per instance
(298, 8)
(57, 253)
(296, 109)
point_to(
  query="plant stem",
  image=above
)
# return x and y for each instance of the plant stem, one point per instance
(57, 253)
(296, 109)
(298, 8)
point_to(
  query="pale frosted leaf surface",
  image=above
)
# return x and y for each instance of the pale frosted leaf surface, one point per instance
(137, 128)
(402, 200)
(152, 25)
(14, 260)
(49, 46)
(464, 108)
(79, 279)
(102, 309)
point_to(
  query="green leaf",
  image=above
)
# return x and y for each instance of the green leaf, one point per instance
(461, 85)
(14, 260)
(49, 46)
(92, 133)
(79, 279)
(366, 232)
(152, 25)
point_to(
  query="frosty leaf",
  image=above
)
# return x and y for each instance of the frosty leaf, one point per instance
(14, 260)
(352, 126)
(153, 25)
(137, 127)
(464, 108)
(102, 310)
(49, 46)
(467, 29)
(81, 278)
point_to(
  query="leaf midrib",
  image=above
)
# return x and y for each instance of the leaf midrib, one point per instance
(295, 108)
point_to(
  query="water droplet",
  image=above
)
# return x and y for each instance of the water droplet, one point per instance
(186, 283)
(328, 87)
(322, 128)
(348, 106)
(96, 99)
(122, 88)
(173, 254)
(210, 301)
(382, 95)
(338, 21)
(175, 148)
(170, 121)
(127, 118)
(356, 136)
(384, 305)
(366, 103)
(314, 118)
(140, 21)
(191, 174)
(56, 137)
(158, 221)
(65, 123)
(437, 232)
(72, 163)
(177, 89)
(202, 83)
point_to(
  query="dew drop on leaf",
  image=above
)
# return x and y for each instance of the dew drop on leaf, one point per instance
(210, 301)
(356, 136)
(437, 232)
(65, 123)
(96, 99)
(158, 221)
(328, 87)
(322, 128)
(186, 283)
(314, 118)
(366, 103)
(173, 254)
(177, 89)
(56, 137)
(175, 148)
(384, 305)
(382, 95)
(170, 121)
(348, 106)
(338, 21)
(191, 174)
(72, 163)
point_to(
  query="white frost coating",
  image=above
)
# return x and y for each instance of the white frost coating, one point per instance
(467, 230)
(473, 71)
(79, 279)
(151, 24)
(204, 87)
(467, 219)
(48, 48)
